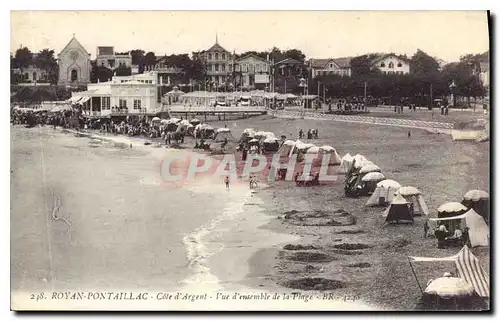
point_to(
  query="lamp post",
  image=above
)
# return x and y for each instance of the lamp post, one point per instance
(452, 92)
(303, 84)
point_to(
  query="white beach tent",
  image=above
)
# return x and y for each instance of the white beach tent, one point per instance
(299, 148)
(334, 156)
(468, 268)
(478, 230)
(286, 148)
(369, 168)
(398, 211)
(345, 163)
(384, 193)
(413, 195)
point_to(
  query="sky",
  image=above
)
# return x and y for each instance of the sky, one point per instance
(319, 34)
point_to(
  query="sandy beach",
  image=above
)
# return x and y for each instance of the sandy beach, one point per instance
(237, 240)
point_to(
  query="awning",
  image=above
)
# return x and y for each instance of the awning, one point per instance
(74, 99)
(84, 100)
(458, 217)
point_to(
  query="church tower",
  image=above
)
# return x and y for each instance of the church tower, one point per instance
(74, 64)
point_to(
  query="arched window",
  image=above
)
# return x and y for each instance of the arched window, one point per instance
(223, 56)
(74, 75)
(382, 65)
(400, 65)
(34, 76)
(209, 56)
(216, 56)
(391, 65)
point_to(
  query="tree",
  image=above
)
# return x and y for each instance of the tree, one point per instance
(23, 58)
(123, 70)
(150, 59)
(362, 65)
(295, 54)
(100, 73)
(421, 64)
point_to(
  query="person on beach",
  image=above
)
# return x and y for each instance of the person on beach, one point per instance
(227, 182)
(426, 229)
(409, 134)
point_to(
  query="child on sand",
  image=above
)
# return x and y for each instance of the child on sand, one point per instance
(227, 182)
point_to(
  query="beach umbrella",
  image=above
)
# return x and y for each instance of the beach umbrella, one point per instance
(452, 207)
(368, 168)
(449, 287)
(223, 130)
(195, 121)
(408, 191)
(327, 149)
(476, 195)
(156, 119)
(289, 142)
(253, 141)
(373, 176)
(260, 134)
(164, 121)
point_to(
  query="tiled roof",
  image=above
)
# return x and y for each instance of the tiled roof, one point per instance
(318, 63)
(289, 61)
(344, 62)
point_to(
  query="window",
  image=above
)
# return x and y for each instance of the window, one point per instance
(102, 63)
(385, 72)
(391, 65)
(74, 75)
(105, 103)
(217, 79)
(209, 56)
(400, 65)
(223, 67)
(382, 65)
(122, 103)
(223, 56)
(216, 67)
(137, 104)
(331, 66)
(216, 56)
(34, 76)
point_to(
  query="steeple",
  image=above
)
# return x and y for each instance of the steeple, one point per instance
(216, 38)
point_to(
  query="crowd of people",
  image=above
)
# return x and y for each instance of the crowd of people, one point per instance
(311, 134)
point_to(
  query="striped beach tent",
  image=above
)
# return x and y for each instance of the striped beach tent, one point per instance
(468, 268)
(471, 271)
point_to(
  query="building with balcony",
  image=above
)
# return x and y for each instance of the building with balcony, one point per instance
(218, 64)
(135, 94)
(251, 72)
(392, 64)
(287, 74)
(331, 66)
(167, 75)
(106, 57)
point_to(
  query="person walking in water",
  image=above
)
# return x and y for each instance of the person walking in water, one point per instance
(227, 182)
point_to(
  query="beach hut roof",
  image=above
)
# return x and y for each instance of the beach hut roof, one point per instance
(223, 130)
(408, 191)
(373, 176)
(327, 148)
(156, 119)
(367, 168)
(452, 207)
(270, 140)
(388, 183)
(289, 143)
(313, 150)
(449, 287)
(476, 195)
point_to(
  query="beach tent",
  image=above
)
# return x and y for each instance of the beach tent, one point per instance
(247, 135)
(384, 193)
(155, 119)
(300, 148)
(468, 269)
(478, 230)
(478, 200)
(334, 157)
(195, 121)
(345, 163)
(270, 144)
(371, 179)
(286, 148)
(398, 211)
(222, 134)
(259, 135)
(413, 195)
